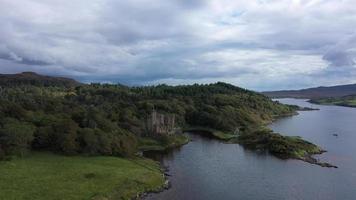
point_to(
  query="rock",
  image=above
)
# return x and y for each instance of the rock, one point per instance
(307, 109)
(311, 160)
(327, 165)
(167, 185)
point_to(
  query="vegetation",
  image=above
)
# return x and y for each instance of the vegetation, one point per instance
(282, 146)
(220, 135)
(31, 78)
(108, 119)
(162, 144)
(263, 139)
(61, 116)
(44, 176)
(348, 101)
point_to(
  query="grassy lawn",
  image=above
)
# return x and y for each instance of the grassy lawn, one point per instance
(47, 176)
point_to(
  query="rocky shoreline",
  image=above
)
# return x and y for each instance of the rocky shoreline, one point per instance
(306, 157)
(309, 150)
(310, 159)
(164, 170)
(307, 109)
(167, 185)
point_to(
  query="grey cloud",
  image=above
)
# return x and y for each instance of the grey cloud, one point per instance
(147, 41)
(133, 21)
(340, 58)
(17, 59)
(342, 54)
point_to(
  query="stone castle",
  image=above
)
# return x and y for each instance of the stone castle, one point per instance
(160, 124)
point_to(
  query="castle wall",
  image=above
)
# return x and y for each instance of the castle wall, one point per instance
(160, 124)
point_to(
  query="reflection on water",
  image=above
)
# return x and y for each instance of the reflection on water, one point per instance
(209, 169)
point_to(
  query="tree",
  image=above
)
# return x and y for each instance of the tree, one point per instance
(16, 137)
(123, 143)
(42, 138)
(88, 141)
(65, 135)
(2, 153)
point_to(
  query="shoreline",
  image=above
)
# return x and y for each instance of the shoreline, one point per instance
(306, 157)
(310, 159)
(165, 186)
(316, 102)
(233, 138)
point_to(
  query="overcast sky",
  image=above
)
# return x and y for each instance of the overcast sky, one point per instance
(256, 44)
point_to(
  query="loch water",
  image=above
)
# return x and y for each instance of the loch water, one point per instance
(208, 169)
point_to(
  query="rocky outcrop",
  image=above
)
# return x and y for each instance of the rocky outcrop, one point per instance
(308, 158)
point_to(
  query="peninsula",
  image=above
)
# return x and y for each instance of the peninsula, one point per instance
(59, 124)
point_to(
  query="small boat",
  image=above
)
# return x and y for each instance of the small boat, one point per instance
(335, 134)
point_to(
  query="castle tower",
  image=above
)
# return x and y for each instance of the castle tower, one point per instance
(160, 124)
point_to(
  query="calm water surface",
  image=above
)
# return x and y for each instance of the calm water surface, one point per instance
(211, 170)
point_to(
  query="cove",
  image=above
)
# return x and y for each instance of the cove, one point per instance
(209, 169)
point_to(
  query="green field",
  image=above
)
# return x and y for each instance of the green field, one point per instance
(52, 177)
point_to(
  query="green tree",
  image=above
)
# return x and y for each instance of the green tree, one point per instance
(16, 137)
(65, 135)
(88, 141)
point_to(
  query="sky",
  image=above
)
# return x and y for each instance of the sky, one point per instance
(256, 44)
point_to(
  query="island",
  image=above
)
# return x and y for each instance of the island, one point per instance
(85, 141)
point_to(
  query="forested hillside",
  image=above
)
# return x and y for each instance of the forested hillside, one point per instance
(31, 78)
(73, 118)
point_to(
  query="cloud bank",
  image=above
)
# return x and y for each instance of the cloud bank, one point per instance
(258, 44)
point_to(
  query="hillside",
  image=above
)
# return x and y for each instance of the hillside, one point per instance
(31, 78)
(41, 114)
(109, 119)
(315, 93)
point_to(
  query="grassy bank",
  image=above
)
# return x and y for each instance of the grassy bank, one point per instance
(211, 132)
(45, 176)
(173, 141)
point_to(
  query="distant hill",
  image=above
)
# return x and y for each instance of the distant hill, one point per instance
(31, 78)
(315, 93)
